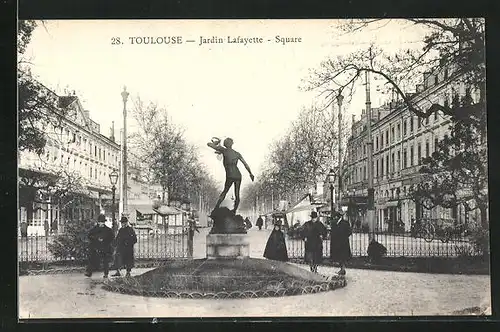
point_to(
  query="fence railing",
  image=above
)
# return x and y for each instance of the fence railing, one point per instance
(148, 246)
(397, 245)
(175, 244)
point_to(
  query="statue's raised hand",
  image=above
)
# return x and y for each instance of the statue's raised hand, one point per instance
(252, 177)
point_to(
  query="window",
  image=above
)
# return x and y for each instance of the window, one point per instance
(91, 172)
(436, 116)
(364, 149)
(419, 153)
(405, 160)
(95, 151)
(419, 123)
(427, 120)
(387, 164)
(382, 140)
(436, 142)
(364, 172)
(446, 73)
(411, 125)
(412, 155)
(436, 79)
(427, 151)
(382, 166)
(393, 168)
(392, 135)
(376, 143)
(404, 128)
(398, 132)
(387, 137)
(376, 168)
(399, 161)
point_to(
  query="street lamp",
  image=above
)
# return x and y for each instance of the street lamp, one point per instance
(331, 180)
(340, 99)
(113, 178)
(125, 171)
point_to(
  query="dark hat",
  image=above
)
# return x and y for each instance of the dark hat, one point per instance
(101, 218)
(124, 219)
(314, 214)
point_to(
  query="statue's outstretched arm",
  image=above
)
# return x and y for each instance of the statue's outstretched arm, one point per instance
(216, 147)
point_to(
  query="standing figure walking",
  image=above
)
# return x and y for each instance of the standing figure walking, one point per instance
(125, 241)
(340, 250)
(101, 247)
(233, 175)
(313, 233)
(259, 222)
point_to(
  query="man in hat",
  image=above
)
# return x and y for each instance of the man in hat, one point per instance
(125, 241)
(313, 233)
(233, 175)
(340, 250)
(101, 246)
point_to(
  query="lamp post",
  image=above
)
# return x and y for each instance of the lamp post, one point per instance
(113, 178)
(124, 161)
(340, 99)
(331, 180)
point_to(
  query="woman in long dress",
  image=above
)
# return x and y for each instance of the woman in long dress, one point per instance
(276, 246)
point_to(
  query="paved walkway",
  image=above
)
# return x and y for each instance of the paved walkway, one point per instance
(368, 293)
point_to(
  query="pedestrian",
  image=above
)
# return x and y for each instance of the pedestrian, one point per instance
(313, 233)
(46, 227)
(259, 222)
(276, 246)
(340, 250)
(24, 229)
(248, 224)
(125, 241)
(100, 247)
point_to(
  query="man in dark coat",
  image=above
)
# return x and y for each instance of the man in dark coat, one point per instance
(313, 233)
(276, 246)
(101, 247)
(259, 222)
(340, 250)
(125, 241)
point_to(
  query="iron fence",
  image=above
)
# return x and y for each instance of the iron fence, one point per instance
(403, 244)
(149, 246)
(176, 244)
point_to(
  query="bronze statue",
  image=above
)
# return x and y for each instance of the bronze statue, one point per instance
(233, 175)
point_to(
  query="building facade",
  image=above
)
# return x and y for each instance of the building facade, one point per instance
(80, 159)
(400, 141)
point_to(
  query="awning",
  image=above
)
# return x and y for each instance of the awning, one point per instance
(301, 208)
(166, 210)
(143, 209)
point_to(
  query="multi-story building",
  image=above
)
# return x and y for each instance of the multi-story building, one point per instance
(400, 140)
(79, 157)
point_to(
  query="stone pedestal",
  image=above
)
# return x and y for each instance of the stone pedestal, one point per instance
(220, 246)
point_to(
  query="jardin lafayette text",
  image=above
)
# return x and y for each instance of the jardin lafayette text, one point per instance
(203, 40)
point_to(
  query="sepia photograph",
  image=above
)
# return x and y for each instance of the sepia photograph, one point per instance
(252, 168)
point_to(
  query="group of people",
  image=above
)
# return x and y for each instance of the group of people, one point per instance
(103, 245)
(313, 232)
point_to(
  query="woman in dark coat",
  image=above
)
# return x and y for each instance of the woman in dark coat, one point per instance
(313, 233)
(276, 246)
(340, 250)
(259, 222)
(125, 241)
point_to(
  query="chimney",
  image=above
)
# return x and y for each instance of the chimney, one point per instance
(112, 134)
(87, 113)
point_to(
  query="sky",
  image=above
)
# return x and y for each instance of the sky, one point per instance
(247, 92)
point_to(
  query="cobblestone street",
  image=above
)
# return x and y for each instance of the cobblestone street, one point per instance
(368, 293)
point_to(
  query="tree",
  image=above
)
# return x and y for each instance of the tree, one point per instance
(453, 48)
(456, 173)
(170, 159)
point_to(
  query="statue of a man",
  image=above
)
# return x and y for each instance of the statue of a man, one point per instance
(233, 175)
